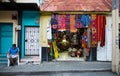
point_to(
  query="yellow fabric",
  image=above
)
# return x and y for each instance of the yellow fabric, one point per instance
(56, 55)
(44, 21)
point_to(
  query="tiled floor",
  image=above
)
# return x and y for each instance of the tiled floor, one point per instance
(65, 57)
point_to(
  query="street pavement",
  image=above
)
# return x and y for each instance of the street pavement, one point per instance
(69, 68)
(107, 73)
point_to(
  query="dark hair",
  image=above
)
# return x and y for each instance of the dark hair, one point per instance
(14, 45)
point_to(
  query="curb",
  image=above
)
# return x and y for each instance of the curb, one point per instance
(62, 71)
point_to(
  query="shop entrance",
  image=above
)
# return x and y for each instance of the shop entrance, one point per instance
(70, 45)
(76, 37)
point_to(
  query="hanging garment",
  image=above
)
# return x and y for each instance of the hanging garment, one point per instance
(99, 27)
(54, 21)
(103, 31)
(85, 20)
(49, 32)
(78, 21)
(72, 24)
(61, 22)
(67, 22)
(89, 37)
(84, 40)
(75, 39)
(94, 31)
(56, 55)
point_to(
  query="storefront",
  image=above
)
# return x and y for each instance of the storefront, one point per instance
(77, 36)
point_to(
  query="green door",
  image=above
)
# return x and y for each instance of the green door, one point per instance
(6, 30)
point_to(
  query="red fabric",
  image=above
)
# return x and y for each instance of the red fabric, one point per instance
(61, 22)
(99, 27)
(103, 31)
(94, 30)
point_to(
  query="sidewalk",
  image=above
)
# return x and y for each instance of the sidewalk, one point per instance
(69, 66)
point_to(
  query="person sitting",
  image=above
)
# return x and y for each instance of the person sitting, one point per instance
(13, 54)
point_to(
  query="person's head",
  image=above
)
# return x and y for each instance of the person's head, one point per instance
(13, 45)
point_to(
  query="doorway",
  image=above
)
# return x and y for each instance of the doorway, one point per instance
(31, 41)
(6, 33)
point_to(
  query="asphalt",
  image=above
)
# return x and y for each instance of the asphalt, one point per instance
(69, 66)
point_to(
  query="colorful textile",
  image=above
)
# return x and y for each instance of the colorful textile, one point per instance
(94, 31)
(78, 21)
(103, 31)
(54, 21)
(99, 27)
(72, 24)
(85, 20)
(61, 22)
(67, 22)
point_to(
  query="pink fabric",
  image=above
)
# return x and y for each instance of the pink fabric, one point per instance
(61, 22)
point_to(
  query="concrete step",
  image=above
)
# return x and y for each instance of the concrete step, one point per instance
(3, 55)
(3, 58)
(3, 62)
(30, 60)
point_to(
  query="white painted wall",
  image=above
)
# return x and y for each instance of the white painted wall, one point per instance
(28, 1)
(105, 53)
(6, 17)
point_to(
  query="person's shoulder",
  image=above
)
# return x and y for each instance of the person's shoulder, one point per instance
(17, 48)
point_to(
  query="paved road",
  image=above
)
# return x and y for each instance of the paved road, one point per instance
(107, 73)
(58, 67)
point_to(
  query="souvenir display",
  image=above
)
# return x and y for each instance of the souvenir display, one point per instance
(76, 34)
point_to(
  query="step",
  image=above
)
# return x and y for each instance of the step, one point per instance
(3, 62)
(3, 58)
(3, 55)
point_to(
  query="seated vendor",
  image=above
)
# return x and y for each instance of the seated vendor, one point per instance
(13, 54)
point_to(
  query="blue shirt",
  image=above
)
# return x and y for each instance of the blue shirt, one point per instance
(13, 51)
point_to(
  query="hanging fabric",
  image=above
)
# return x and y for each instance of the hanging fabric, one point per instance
(55, 48)
(85, 20)
(61, 22)
(84, 39)
(72, 24)
(94, 30)
(99, 27)
(67, 22)
(89, 36)
(49, 32)
(103, 31)
(54, 21)
(78, 21)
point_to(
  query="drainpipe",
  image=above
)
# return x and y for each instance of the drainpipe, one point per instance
(115, 36)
